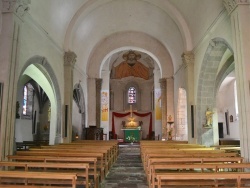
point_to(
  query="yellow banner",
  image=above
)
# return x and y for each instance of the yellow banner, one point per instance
(158, 104)
(105, 106)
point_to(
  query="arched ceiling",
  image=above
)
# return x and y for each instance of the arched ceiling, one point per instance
(80, 25)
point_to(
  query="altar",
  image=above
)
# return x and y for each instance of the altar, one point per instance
(136, 133)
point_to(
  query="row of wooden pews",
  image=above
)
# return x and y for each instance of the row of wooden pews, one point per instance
(68, 165)
(173, 164)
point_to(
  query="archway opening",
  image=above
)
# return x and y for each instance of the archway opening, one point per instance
(38, 72)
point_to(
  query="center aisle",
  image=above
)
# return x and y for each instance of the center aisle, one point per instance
(128, 171)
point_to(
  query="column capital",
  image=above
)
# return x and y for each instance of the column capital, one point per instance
(232, 4)
(69, 58)
(163, 82)
(188, 58)
(19, 7)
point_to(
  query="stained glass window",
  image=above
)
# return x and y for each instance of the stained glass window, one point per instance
(25, 96)
(28, 98)
(131, 95)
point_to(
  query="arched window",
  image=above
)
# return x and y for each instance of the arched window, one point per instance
(28, 99)
(131, 95)
(25, 96)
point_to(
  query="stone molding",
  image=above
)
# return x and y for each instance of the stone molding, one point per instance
(19, 7)
(188, 58)
(98, 84)
(163, 82)
(69, 58)
(232, 4)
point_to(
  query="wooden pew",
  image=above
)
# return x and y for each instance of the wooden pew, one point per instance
(108, 156)
(80, 168)
(210, 179)
(178, 154)
(111, 143)
(93, 172)
(188, 161)
(27, 178)
(99, 156)
(167, 168)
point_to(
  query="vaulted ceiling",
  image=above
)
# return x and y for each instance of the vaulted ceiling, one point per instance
(81, 25)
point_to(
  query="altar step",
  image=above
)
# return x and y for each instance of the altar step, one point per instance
(128, 171)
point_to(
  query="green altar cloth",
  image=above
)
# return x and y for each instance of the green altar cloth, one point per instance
(132, 132)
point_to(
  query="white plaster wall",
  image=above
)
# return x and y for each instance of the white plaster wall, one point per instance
(79, 77)
(76, 121)
(23, 130)
(225, 102)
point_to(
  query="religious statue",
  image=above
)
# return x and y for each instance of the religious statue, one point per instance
(209, 118)
(131, 67)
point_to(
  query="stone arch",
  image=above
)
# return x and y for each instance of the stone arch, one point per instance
(39, 63)
(226, 69)
(207, 84)
(129, 40)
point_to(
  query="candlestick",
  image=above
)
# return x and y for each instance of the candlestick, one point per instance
(130, 110)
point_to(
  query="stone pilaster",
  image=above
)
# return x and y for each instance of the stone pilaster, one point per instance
(11, 26)
(239, 11)
(163, 86)
(188, 62)
(112, 100)
(69, 62)
(98, 82)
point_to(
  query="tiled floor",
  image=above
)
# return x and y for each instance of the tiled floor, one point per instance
(127, 172)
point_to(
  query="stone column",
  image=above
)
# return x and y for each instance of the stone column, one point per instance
(12, 14)
(188, 64)
(98, 82)
(163, 106)
(69, 63)
(239, 11)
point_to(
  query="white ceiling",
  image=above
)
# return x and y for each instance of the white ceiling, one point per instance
(79, 25)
